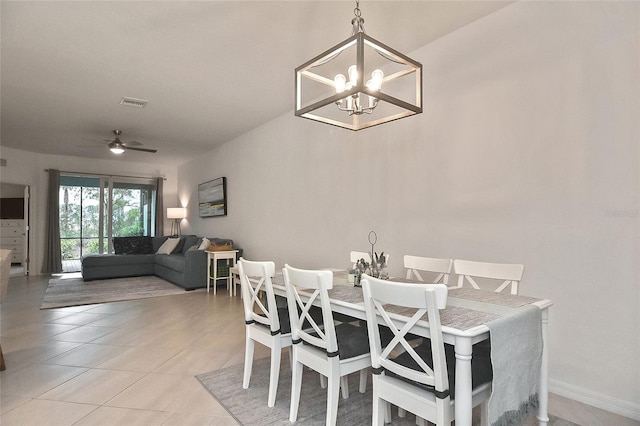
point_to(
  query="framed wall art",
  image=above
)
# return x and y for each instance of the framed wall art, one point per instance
(212, 198)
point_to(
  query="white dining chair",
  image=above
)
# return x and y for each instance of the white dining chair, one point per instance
(264, 323)
(334, 351)
(417, 264)
(419, 380)
(509, 273)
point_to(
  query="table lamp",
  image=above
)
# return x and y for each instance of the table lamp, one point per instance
(177, 214)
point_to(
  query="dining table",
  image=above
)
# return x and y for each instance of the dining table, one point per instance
(516, 326)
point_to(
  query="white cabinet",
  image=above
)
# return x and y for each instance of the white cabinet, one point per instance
(12, 238)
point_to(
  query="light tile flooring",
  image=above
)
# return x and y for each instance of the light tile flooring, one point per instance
(134, 362)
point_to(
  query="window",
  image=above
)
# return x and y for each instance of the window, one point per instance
(95, 209)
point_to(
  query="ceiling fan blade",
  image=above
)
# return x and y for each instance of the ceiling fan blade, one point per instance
(141, 149)
(129, 143)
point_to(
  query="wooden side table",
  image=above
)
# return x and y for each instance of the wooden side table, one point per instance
(213, 256)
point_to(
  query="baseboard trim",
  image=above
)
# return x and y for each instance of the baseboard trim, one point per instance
(604, 402)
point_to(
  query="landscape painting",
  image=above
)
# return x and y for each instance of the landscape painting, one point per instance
(212, 198)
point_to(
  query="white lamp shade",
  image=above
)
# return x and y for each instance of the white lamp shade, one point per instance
(176, 213)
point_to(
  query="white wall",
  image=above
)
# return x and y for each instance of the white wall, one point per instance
(27, 168)
(527, 152)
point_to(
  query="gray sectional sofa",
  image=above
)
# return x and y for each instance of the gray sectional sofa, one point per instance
(186, 266)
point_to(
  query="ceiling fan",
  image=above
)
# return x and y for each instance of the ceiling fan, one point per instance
(118, 147)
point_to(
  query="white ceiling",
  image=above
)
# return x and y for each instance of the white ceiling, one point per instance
(211, 70)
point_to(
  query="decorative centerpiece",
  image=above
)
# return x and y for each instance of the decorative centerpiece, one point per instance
(362, 267)
(381, 266)
(378, 266)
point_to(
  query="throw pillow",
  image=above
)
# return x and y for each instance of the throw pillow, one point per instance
(168, 246)
(133, 245)
(204, 244)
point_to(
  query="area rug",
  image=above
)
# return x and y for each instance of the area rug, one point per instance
(249, 406)
(64, 292)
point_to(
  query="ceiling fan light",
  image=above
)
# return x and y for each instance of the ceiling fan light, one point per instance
(116, 148)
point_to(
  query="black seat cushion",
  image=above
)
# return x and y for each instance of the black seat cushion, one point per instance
(481, 370)
(352, 340)
(285, 322)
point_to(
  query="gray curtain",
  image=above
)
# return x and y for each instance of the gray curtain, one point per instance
(53, 254)
(159, 207)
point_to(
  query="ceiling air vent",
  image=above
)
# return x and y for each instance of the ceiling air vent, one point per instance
(133, 102)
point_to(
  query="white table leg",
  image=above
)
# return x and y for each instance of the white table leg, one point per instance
(215, 275)
(208, 271)
(229, 280)
(463, 405)
(543, 389)
(234, 281)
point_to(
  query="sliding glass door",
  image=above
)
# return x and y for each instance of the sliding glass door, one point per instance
(93, 210)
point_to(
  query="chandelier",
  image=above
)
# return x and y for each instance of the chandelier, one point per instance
(358, 83)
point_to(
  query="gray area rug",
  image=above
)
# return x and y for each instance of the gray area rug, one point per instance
(73, 291)
(249, 406)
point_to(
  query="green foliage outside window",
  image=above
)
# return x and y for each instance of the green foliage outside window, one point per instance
(80, 218)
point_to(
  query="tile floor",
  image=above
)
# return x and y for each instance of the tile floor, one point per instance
(134, 362)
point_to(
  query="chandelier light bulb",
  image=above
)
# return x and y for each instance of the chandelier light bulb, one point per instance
(371, 84)
(339, 81)
(353, 75)
(376, 77)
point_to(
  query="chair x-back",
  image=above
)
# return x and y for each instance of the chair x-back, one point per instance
(333, 351)
(265, 323)
(417, 264)
(509, 273)
(416, 380)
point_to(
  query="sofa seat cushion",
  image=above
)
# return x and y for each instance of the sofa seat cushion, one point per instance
(174, 262)
(105, 266)
(117, 259)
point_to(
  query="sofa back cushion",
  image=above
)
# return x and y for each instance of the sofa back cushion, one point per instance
(189, 241)
(133, 245)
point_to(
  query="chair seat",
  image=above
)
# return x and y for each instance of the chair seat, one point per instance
(285, 323)
(481, 369)
(352, 340)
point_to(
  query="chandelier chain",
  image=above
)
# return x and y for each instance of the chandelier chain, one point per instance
(358, 21)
